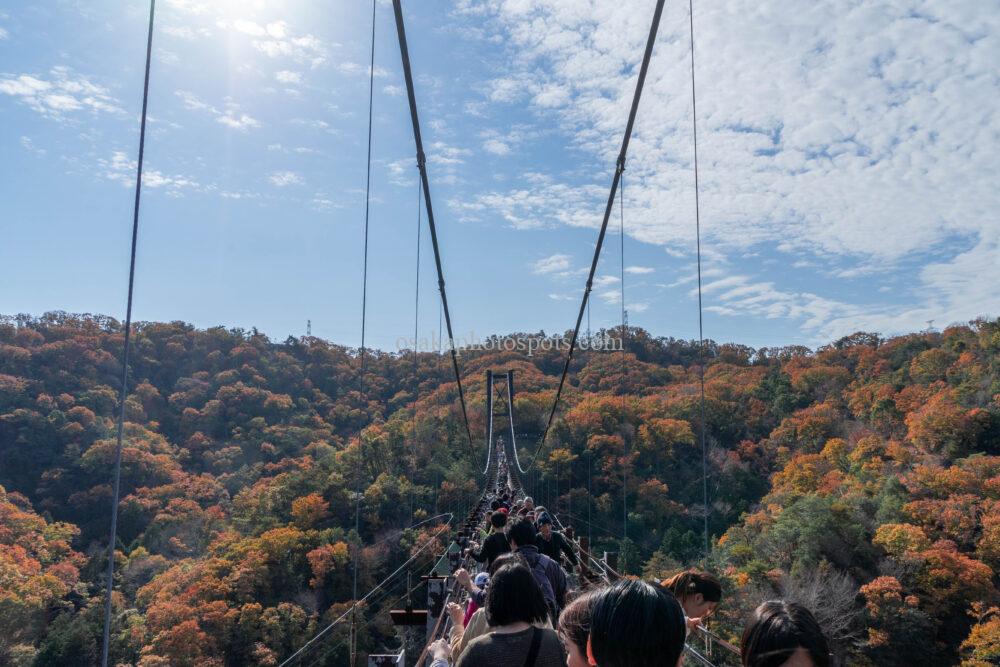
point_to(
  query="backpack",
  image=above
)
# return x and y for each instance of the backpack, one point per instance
(540, 565)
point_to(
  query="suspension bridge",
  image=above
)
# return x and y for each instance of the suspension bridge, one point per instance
(503, 470)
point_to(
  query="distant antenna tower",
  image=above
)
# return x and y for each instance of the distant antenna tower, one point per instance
(309, 328)
(930, 325)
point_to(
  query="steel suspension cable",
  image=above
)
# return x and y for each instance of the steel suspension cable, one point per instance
(123, 392)
(489, 422)
(422, 166)
(416, 353)
(364, 313)
(513, 439)
(588, 323)
(621, 230)
(701, 329)
(620, 168)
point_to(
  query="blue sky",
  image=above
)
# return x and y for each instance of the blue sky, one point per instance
(848, 164)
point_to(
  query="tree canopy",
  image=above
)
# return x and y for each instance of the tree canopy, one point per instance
(863, 477)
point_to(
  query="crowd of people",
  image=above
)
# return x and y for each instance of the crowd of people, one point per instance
(520, 610)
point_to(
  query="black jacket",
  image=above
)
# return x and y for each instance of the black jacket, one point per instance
(494, 545)
(555, 547)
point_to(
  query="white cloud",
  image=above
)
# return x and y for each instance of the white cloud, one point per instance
(61, 94)
(238, 121)
(610, 296)
(287, 76)
(191, 101)
(61, 102)
(283, 178)
(473, 108)
(309, 122)
(864, 134)
(552, 96)
(278, 39)
(540, 205)
(189, 6)
(496, 147)
(249, 28)
(184, 32)
(122, 169)
(232, 117)
(506, 90)
(393, 91)
(741, 296)
(443, 154)
(722, 283)
(306, 49)
(551, 264)
(639, 270)
(167, 57)
(30, 146)
(402, 172)
(4, 34)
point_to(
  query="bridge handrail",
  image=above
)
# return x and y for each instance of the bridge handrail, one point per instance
(698, 656)
(367, 595)
(714, 638)
(443, 622)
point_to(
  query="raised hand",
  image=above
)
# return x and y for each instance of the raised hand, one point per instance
(464, 578)
(456, 614)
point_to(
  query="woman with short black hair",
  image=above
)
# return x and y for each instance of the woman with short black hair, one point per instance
(514, 602)
(784, 634)
(636, 624)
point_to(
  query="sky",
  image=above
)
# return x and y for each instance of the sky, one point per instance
(848, 165)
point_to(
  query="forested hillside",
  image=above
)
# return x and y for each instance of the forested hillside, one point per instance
(863, 478)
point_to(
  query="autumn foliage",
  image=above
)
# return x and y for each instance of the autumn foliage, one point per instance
(862, 478)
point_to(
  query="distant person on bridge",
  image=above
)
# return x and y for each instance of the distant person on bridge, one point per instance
(547, 572)
(552, 543)
(494, 544)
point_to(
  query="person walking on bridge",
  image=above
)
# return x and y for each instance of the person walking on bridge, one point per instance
(547, 572)
(494, 544)
(552, 543)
